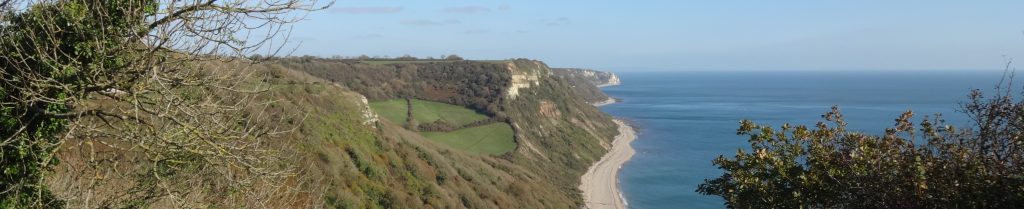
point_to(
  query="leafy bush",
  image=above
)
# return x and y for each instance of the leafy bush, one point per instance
(439, 125)
(928, 165)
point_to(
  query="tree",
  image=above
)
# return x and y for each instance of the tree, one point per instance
(363, 58)
(928, 165)
(410, 118)
(148, 80)
(407, 58)
(453, 57)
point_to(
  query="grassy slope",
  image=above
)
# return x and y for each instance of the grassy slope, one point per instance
(493, 139)
(580, 84)
(427, 111)
(392, 110)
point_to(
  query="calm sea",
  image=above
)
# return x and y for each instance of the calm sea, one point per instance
(686, 119)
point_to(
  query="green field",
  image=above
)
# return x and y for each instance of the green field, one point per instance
(493, 139)
(426, 112)
(392, 110)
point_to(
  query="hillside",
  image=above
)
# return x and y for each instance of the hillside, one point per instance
(557, 134)
(534, 138)
(586, 83)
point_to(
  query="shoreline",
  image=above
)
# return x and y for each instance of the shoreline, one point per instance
(611, 100)
(605, 102)
(612, 83)
(600, 185)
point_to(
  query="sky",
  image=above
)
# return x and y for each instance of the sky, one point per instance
(679, 34)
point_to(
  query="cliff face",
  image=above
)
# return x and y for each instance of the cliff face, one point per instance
(558, 132)
(586, 83)
(611, 80)
(596, 78)
(522, 78)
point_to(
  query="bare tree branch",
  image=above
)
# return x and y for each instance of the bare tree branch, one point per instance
(149, 100)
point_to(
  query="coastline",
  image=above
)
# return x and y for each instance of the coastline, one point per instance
(600, 184)
(605, 102)
(611, 100)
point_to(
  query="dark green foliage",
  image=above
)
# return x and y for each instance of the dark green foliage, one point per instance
(477, 85)
(930, 165)
(410, 118)
(52, 54)
(453, 57)
(439, 125)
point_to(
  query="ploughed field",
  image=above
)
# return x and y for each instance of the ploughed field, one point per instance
(467, 130)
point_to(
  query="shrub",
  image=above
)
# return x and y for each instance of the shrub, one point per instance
(928, 165)
(439, 125)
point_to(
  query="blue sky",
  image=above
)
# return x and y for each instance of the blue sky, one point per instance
(679, 35)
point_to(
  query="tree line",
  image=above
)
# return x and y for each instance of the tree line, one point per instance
(476, 85)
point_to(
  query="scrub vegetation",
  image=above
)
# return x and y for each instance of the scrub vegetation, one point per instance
(924, 164)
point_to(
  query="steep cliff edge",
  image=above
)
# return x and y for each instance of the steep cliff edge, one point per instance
(594, 77)
(586, 83)
(559, 133)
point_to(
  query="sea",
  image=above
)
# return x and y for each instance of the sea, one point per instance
(686, 119)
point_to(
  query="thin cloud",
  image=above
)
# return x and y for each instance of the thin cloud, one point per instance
(557, 21)
(430, 22)
(466, 10)
(367, 10)
(504, 7)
